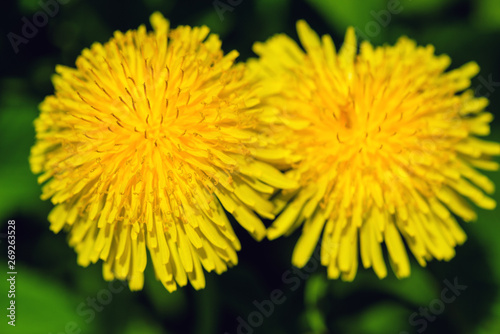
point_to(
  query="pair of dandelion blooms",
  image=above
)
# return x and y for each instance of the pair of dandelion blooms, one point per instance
(156, 135)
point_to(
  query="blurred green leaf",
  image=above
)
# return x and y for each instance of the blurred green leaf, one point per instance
(487, 14)
(143, 327)
(492, 324)
(342, 14)
(267, 10)
(211, 19)
(382, 318)
(418, 289)
(316, 321)
(28, 6)
(18, 187)
(171, 305)
(42, 305)
(422, 7)
(207, 309)
(316, 287)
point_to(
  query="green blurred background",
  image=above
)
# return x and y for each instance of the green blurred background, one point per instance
(54, 294)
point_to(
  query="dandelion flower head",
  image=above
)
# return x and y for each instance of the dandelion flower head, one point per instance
(145, 145)
(388, 147)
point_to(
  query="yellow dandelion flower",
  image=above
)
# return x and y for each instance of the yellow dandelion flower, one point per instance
(388, 148)
(145, 145)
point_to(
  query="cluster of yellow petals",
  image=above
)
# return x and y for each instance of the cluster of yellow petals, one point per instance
(155, 136)
(387, 145)
(145, 145)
